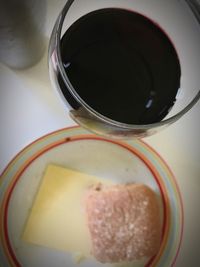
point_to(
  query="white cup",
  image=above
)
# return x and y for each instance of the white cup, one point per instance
(22, 40)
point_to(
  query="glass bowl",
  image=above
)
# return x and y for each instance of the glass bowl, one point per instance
(179, 20)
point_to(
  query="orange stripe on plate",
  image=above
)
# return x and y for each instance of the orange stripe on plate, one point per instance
(76, 138)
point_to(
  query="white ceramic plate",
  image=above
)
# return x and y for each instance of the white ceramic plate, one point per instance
(77, 149)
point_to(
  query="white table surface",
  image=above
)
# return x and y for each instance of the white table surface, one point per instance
(29, 109)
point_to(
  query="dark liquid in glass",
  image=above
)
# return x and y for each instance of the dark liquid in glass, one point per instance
(122, 65)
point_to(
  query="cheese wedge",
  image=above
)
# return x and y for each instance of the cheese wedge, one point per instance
(57, 218)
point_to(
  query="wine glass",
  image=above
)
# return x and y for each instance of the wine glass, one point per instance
(128, 68)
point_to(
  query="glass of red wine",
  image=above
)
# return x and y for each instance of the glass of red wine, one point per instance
(126, 69)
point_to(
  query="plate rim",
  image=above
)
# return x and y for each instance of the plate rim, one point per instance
(124, 144)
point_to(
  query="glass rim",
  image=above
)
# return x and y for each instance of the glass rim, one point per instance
(170, 120)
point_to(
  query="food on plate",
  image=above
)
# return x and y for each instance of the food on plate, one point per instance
(93, 217)
(57, 217)
(124, 222)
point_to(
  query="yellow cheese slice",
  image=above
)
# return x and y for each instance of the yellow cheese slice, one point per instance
(57, 218)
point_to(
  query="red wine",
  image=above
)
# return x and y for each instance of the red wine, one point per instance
(122, 65)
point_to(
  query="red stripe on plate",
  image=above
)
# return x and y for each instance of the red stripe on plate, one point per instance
(72, 139)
